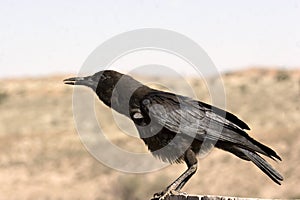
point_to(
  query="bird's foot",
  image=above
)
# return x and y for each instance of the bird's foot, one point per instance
(164, 194)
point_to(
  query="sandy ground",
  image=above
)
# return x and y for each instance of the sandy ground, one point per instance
(42, 156)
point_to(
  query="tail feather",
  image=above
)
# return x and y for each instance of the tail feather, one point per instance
(266, 150)
(263, 165)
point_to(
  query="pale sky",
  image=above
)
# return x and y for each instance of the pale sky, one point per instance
(48, 37)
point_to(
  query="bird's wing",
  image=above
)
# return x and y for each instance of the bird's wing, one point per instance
(182, 114)
(186, 116)
(227, 115)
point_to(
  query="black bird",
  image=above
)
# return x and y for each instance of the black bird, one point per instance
(176, 128)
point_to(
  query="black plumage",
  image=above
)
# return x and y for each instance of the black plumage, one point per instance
(177, 128)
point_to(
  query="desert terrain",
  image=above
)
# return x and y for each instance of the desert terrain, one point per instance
(42, 156)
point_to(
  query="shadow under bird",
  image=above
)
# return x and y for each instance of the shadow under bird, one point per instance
(177, 128)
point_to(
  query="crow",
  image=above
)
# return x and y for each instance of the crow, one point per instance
(176, 128)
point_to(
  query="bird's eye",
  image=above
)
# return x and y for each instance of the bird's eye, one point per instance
(103, 77)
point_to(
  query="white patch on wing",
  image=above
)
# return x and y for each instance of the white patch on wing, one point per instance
(138, 115)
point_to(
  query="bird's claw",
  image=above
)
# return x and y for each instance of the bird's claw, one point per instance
(162, 195)
(157, 196)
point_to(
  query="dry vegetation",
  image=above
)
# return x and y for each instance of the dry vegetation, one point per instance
(42, 156)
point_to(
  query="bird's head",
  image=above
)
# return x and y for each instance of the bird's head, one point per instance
(102, 83)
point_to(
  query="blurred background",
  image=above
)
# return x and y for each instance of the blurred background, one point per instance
(255, 45)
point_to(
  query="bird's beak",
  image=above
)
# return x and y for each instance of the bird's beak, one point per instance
(86, 81)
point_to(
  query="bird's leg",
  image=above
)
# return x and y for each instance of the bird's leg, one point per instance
(191, 161)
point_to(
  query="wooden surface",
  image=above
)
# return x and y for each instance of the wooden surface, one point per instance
(204, 197)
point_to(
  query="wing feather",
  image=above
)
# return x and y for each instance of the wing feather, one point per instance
(194, 118)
